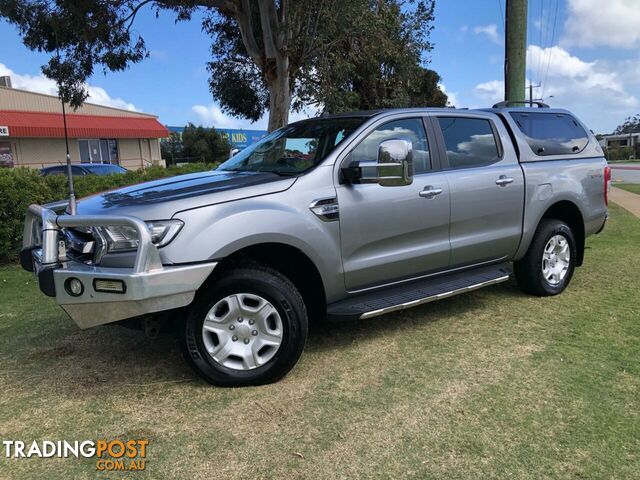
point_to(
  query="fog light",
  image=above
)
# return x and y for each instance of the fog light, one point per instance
(111, 286)
(74, 287)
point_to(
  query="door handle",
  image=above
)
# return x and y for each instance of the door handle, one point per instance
(430, 192)
(503, 180)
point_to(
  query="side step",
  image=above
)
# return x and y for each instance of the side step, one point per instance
(411, 294)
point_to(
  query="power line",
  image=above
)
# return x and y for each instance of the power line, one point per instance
(553, 38)
(540, 63)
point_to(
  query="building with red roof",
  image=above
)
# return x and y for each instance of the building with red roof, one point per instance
(32, 132)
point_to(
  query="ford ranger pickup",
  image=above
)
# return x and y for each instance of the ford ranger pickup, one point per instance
(342, 217)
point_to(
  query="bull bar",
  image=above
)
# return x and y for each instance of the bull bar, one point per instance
(149, 286)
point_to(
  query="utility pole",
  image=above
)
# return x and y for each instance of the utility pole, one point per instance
(515, 62)
(531, 87)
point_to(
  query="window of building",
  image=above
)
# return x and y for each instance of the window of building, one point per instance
(551, 133)
(470, 142)
(407, 128)
(98, 150)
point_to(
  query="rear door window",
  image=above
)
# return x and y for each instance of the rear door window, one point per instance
(470, 142)
(551, 133)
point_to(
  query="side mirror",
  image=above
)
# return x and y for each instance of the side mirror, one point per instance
(395, 163)
(393, 168)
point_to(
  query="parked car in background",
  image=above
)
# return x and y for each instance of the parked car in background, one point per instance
(82, 169)
(345, 217)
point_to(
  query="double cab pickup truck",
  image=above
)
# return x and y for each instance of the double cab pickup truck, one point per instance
(343, 217)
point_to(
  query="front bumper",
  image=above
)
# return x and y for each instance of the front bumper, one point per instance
(149, 286)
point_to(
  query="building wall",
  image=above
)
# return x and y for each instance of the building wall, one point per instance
(133, 153)
(14, 99)
(40, 152)
(129, 153)
(616, 141)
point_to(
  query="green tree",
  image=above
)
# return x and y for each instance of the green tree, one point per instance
(368, 54)
(380, 64)
(277, 36)
(171, 148)
(205, 144)
(264, 51)
(631, 124)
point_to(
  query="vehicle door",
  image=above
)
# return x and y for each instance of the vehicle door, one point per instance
(390, 233)
(486, 186)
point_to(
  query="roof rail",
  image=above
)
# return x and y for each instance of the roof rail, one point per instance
(510, 103)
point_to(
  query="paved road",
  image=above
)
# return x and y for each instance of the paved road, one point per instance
(625, 172)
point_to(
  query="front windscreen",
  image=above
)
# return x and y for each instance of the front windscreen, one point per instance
(295, 148)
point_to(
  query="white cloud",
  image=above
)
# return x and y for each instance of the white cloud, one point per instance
(41, 84)
(213, 116)
(159, 54)
(100, 96)
(592, 23)
(491, 31)
(490, 92)
(573, 80)
(592, 90)
(452, 97)
(629, 71)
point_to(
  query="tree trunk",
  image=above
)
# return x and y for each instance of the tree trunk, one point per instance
(279, 98)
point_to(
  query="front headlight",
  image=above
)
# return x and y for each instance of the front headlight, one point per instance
(124, 238)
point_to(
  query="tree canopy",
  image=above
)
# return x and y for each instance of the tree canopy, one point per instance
(267, 55)
(630, 125)
(369, 54)
(196, 143)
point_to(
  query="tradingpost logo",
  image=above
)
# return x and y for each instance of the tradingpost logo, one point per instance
(110, 455)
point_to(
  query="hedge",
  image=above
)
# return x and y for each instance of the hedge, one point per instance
(20, 187)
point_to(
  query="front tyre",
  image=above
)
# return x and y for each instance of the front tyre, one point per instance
(247, 327)
(549, 264)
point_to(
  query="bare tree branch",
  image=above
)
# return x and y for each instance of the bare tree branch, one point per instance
(134, 11)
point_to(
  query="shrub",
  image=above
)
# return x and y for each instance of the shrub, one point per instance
(20, 187)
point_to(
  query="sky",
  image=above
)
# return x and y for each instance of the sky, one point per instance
(585, 53)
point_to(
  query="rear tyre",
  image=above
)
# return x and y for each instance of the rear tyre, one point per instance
(247, 327)
(549, 264)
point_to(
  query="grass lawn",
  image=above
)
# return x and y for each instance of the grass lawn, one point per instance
(629, 187)
(493, 384)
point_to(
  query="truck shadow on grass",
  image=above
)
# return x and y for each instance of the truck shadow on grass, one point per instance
(114, 359)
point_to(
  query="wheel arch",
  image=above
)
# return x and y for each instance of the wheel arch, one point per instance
(568, 212)
(290, 261)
